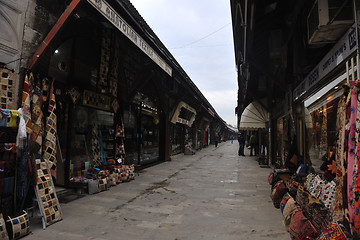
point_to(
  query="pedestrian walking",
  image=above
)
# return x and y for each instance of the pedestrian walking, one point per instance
(231, 138)
(216, 139)
(241, 140)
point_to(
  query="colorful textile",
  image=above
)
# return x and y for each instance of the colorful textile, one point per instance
(288, 218)
(309, 180)
(45, 88)
(14, 114)
(26, 102)
(74, 94)
(115, 105)
(37, 119)
(103, 186)
(292, 185)
(3, 232)
(277, 193)
(334, 232)
(346, 146)
(95, 145)
(327, 195)
(300, 227)
(317, 186)
(20, 226)
(4, 116)
(49, 153)
(338, 213)
(356, 180)
(103, 79)
(7, 88)
(351, 152)
(284, 201)
(313, 209)
(356, 227)
(289, 207)
(46, 194)
(324, 138)
(102, 156)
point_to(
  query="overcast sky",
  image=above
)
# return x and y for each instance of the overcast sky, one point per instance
(199, 35)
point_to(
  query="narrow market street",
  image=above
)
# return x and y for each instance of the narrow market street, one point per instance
(213, 194)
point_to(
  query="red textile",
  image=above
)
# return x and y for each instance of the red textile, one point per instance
(301, 228)
(277, 193)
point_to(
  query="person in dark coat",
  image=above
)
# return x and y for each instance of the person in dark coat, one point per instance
(253, 144)
(216, 139)
(241, 140)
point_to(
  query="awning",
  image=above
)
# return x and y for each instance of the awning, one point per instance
(253, 117)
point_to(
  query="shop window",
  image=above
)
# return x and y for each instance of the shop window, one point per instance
(185, 114)
(130, 136)
(321, 130)
(176, 138)
(92, 141)
(150, 138)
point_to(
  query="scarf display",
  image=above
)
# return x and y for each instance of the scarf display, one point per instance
(49, 153)
(7, 86)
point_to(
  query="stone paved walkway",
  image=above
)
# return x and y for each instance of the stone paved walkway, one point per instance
(213, 194)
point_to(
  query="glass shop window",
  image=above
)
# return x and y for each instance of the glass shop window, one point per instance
(92, 139)
(321, 129)
(150, 137)
(176, 138)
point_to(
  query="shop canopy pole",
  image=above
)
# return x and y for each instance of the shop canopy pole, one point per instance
(352, 70)
(357, 67)
(347, 72)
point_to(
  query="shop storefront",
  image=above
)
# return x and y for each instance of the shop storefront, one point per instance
(183, 133)
(95, 64)
(177, 138)
(319, 96)
(203, 133)
(326, 113)
(142, 131)
(321, 125)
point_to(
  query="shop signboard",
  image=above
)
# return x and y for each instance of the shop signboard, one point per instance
(177, 119)
(110, 14)
(341, 51)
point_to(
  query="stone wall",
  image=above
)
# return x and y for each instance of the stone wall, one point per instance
(41, 16)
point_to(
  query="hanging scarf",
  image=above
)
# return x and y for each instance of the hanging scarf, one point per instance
(49, 153)
(26, 102)
(37, 119)
(338, 214)
(351, 152)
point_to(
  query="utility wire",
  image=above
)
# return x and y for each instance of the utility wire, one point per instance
(206, 46)
(191, 43)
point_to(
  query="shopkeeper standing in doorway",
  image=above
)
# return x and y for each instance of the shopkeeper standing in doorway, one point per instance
(241, 140)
